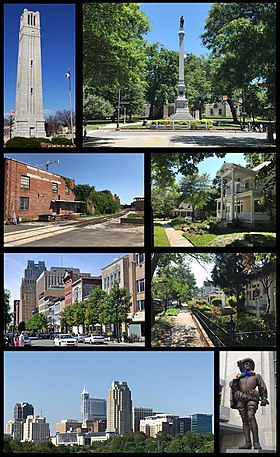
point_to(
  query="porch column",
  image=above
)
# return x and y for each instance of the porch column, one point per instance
(232, 213)
(217, 210)
(222, 196)
(252, 211)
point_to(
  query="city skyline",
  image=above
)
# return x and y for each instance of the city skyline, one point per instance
(122, 174)
(54, 64)
(146, 373)
(15, 264)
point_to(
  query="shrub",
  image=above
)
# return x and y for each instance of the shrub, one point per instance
(58, 140)
(216, 301)
(178, 220)
(21, 142)
(231, 301)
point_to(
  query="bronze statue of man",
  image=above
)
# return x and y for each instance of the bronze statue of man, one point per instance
(248, 389)
(182, 20)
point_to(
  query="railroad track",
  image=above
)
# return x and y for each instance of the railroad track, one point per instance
(14, 239)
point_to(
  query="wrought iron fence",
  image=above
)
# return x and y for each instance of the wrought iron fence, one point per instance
(221, 337)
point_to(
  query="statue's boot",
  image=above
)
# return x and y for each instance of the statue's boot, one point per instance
(246, 431)
(257, 445)
(246, 445)
(255, 432)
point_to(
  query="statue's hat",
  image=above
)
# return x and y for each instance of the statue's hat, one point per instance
(240, 363)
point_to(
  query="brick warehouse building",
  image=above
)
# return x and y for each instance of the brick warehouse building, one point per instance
(29, 191)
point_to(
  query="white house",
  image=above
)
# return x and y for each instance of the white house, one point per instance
(240, 194)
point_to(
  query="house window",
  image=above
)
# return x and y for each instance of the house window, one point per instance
(257, 206)
(140, 285)
(25, 182)
(220, 111)
(140, 258)
(140, 305)
(239, 208)
(119, 277)
(67, 190)
(23, 203)
(54, 187)
(246, 185)
(105, 283)
(211, 111)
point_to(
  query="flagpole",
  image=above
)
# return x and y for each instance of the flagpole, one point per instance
(70, 94)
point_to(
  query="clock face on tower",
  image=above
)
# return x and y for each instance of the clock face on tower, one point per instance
(181, 92)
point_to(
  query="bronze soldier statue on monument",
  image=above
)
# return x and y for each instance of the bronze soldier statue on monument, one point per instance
(182, 20)
(248, 389)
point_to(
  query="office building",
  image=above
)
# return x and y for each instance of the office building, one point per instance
(28, 298)
(119, 408)
(36, 429)
(137, 415)
(201, 423)
(92, 408)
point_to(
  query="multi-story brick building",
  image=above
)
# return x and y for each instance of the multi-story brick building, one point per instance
(129, 272)
(30, 192)
(83, 285)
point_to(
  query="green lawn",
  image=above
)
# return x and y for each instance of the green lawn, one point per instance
(246, 239)
(160, 238)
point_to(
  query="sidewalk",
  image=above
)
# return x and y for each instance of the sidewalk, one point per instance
(113, 126)
(175, 237)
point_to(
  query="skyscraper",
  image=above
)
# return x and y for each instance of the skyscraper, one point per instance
(92, 408)
(202, 423)
(119, 408)
(29, 120)
(28, 299)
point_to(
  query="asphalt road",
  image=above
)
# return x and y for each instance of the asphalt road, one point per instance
(151, 139)
(107, 234)
(50, 344)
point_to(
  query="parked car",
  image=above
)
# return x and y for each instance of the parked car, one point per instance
(80, 337)
(188, 218)
(94, 339)
(65, 339)
(27, 341)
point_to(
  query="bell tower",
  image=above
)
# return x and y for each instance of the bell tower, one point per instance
(29, 120)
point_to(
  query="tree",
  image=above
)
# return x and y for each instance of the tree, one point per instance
(96, 107)
(264, 270)
(21, 326)
(37, 321)
(198, 80)
(194, 190)
(8, 316)
(164, 200)
(160, 260)
(114, 52)
(95, 305)
(118, 306)
(242, 38)
(231, 273)
(64, 117)
(166, 165)
(162, 77)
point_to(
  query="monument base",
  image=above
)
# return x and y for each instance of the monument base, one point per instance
(182, 112)
(250, 451)
(28, 129)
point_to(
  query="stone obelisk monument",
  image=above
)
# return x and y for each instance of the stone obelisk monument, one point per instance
(182, 112)
(29, 120)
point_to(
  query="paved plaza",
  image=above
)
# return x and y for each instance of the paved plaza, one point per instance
(174, 139)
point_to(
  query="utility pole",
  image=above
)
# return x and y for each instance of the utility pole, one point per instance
(118, 110)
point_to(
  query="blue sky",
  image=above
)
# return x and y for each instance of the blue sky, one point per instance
(164, 21)
(166, 381)
(58, 53)
(213, 164)
(14, 265)
(122, 174)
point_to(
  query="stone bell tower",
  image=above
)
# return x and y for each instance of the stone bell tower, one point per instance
(29, 120)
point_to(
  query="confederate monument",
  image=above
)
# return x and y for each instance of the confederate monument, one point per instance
(29, 120)
(182, 112)
(246, 399)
